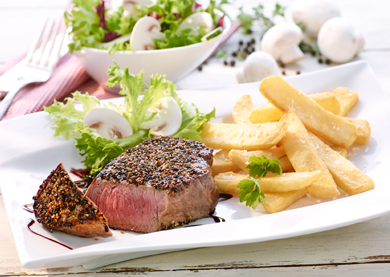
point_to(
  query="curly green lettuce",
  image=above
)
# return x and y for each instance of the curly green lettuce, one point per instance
(98, 151)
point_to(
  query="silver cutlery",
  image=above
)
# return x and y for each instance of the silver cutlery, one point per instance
(38, 66)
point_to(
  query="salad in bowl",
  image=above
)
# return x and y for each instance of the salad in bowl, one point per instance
(169, 37)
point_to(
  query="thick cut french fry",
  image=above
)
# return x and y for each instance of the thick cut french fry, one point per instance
(333, 128)
(328, 101)
(265, 113)
(242, 109)
(269, 113)
(227, 182)
(342, 151)
(243, 136)
(363, 130)
(288, 181)
(346, 175)
(222, 163)
(346, 98)
(278, 201)
(304, 157)
(241, 158)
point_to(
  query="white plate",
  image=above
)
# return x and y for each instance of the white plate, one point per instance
(29, 152)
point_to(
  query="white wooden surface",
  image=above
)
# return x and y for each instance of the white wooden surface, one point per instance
(359, 250)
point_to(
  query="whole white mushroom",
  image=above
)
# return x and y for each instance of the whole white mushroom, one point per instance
(257, 66)
(282, 40)
(313, 14)
(339, 41)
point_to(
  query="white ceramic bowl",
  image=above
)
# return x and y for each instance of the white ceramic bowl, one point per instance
(175, 63)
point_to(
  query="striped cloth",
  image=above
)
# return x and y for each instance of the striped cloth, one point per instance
(67, 77)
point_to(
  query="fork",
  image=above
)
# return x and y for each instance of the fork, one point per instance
(37, 67)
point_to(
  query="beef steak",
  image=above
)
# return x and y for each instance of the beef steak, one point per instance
(60, 205)
(159, 184)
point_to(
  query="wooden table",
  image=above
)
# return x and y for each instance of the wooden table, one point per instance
(359, 250)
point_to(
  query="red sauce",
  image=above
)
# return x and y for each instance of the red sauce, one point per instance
(84, 174)
(32, 221)
(217, 219)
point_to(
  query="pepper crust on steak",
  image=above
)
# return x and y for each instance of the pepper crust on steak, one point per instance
(60, 205)
(159, 184)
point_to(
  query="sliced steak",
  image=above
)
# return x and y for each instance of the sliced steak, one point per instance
(159, 184)
(60, 205)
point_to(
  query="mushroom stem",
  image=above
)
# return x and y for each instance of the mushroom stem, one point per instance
(155, 32)
(291, 54)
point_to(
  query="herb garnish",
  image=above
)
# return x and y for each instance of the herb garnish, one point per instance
(248, 20)
(250, 190)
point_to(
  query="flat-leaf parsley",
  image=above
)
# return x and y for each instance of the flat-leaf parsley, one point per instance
(250, 190)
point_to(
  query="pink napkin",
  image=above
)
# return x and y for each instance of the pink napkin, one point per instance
(67, 77)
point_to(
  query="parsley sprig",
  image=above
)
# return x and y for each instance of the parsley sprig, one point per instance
(250, 190)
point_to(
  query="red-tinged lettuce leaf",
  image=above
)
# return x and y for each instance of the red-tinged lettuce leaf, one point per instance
(110, 36)
(100, 11)
(220, 21)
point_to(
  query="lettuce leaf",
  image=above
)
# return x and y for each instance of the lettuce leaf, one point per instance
(135, 108)
(99, 151)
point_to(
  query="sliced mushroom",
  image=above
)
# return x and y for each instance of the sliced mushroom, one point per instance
(313, 14)
(339, 41)
(128, 5)
(168, 119)
(258, 66)
(108, 123)
(281, 41)
(145, 30)
(195, 20)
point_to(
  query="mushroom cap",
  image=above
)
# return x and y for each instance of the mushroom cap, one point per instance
(168, 119)
(339, 41)
(196, 20)
(280, 38)
(145, 30)
(313, 14)
(259, 65)
(108, 123)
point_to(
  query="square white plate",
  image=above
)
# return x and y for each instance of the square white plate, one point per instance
(28, 153)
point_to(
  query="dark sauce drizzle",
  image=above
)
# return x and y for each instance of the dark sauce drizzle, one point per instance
(84, 174)
(32, 221)
(27, 208)
(224, 197)
(217, 219)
